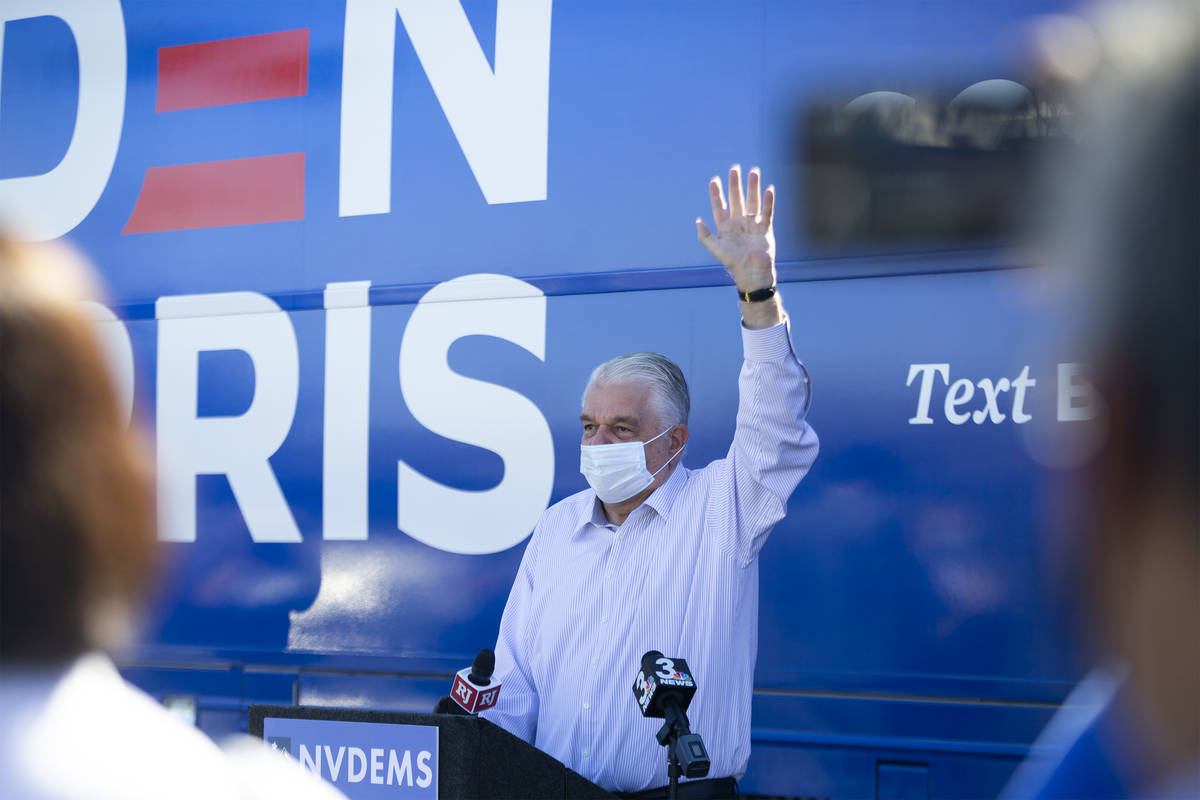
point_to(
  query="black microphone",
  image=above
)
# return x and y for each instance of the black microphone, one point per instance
(664, 689)
(482, 667)
(662, 682)
(473, 689)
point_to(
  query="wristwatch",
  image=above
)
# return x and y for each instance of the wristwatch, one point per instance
(758, 295)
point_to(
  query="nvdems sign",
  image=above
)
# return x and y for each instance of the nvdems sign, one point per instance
(362, 759)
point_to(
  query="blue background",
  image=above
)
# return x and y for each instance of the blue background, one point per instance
(907, 612)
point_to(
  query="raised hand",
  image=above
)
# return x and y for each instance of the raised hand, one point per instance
(745, 240)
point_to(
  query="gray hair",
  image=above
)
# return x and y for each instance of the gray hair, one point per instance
(670, 390)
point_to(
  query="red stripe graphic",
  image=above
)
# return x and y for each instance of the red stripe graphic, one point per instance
(228, 71)
(212, 194)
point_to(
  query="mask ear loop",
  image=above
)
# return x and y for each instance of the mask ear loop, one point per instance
(656, 438)
(669, 459)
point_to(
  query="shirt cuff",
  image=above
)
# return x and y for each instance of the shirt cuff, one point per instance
(767, 344)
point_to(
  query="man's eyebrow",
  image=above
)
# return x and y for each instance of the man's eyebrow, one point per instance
(623, 420)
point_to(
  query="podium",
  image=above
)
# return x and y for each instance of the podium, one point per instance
(366, 753)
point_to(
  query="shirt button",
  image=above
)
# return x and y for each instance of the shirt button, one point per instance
(585, 752)
(620, 537)
(593, 660)
(608, 576)
(586, 706)
(604, 619)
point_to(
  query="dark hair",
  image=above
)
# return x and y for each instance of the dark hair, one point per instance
(1146, 232)
(77, 535)
(1140, 547)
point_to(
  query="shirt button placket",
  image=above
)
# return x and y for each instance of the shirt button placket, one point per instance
(606, 588)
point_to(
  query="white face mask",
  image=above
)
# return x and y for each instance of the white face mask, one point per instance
(618, 471)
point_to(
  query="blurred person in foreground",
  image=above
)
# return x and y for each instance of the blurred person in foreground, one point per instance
(77, 549)
(1128, 229)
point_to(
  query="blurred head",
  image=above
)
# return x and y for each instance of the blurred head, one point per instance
(77, 537)
(1130, 228)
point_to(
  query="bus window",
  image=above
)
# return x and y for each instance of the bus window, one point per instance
(926, 169)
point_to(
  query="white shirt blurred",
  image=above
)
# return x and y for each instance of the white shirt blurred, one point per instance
(83, 733)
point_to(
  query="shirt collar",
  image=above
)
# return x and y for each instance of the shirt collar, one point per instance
(661, 500)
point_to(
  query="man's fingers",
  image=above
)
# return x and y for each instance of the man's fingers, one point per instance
(755, 203)
(753, 192)
(703, 233)
(720, 214)
(737, 202)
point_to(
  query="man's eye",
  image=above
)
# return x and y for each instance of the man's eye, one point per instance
(623, 429)
(588, 428)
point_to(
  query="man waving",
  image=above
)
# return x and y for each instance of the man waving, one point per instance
(596, 590)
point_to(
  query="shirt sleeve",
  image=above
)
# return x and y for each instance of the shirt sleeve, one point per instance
(773, 445)
(516, 710)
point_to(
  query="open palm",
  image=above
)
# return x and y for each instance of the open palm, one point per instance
(744, 240)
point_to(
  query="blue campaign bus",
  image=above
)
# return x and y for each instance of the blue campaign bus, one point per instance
(362, 255)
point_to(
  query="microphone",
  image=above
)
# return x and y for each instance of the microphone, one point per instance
(663, 681)
(473, 689)
(482, 667)
(664, 689)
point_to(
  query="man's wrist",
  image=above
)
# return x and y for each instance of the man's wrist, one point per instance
(757, 295)
(749, 283)
(764, 314)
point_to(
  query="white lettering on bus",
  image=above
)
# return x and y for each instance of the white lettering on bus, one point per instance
(49, 205)
(961, 392)
(240, 446)
(500, 118)
(475, 412)
(452, 405)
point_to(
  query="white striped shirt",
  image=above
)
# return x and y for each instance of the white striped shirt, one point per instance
(680, 576)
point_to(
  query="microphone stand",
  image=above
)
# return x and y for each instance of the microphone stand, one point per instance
(668, 736)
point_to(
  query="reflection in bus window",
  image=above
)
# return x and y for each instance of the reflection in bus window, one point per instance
(927, 168)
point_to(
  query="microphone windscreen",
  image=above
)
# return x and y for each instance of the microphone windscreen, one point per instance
(484, 665)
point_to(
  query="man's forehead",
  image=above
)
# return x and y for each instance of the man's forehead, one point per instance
(630, 400)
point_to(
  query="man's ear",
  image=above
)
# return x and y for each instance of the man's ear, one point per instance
(678, 436)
